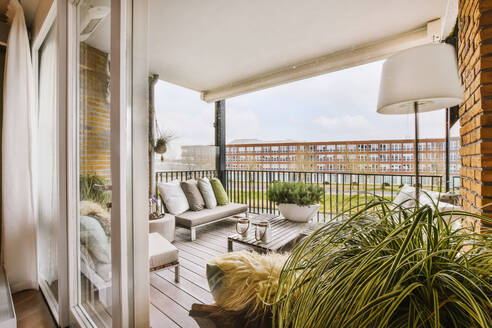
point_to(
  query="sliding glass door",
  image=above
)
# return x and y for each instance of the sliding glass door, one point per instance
(94, 273)
(100, 158)
(46, 167)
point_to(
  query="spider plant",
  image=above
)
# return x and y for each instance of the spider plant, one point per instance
(388, 266)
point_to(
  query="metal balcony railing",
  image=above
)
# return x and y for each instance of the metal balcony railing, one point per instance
(342, 191)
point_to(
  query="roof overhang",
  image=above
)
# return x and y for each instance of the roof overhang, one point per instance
(226, 48)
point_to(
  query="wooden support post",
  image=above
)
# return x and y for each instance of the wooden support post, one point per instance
(220, 141)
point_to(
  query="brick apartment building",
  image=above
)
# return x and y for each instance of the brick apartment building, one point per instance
(369, 156)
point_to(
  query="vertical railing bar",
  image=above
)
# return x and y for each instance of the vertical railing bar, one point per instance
(350, 192)
(324, 198)
(358, 190)
(392, 192)
(336, 194)
(262, 192)
(249, 187)
(365, 184)
(343, 192)
(317, 185)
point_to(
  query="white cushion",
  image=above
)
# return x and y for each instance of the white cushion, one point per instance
(207, 193)
(161, 251)
(94, 238)
(173, 196)
(406, 197)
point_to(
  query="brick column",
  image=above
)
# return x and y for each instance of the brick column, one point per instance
(475, 67)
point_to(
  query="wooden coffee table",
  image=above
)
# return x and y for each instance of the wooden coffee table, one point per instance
(283, 232)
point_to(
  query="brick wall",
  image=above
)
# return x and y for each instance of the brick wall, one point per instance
(475, 66)
(94, 112)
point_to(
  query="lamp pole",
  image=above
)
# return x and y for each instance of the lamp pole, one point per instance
(417, 187)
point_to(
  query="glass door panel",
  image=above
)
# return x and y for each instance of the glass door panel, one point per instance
(47, 157)
(94, 160)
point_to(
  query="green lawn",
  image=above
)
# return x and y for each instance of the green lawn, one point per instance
(331, 204)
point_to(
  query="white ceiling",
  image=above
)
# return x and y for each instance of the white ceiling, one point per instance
(207, 45)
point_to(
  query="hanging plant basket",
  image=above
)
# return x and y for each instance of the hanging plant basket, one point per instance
(160, 146)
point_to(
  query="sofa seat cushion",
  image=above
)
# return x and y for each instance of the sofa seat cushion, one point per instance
(190, 218)
(161, 251)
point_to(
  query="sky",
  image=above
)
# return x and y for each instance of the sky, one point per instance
(331, 107)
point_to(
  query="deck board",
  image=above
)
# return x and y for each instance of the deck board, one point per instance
(171, 301)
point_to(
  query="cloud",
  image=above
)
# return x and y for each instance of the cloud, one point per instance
(347, 127)
(344, 122)
(241, 124)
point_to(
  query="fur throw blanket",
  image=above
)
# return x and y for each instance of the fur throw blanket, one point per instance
(246, 280)
(90, 208)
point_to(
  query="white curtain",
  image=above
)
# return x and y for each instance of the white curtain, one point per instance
(46, 164)
(19, 227)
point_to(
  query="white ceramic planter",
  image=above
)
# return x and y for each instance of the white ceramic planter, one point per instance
(298, 213)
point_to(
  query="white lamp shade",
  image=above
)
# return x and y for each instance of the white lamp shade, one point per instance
(426, 74)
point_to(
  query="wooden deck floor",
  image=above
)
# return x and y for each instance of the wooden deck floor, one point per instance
(170, 301)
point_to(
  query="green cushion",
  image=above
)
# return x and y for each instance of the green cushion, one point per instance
(219, 191)
(207, 192)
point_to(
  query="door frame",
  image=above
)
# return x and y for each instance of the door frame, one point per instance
(49, 22)
(129, 169)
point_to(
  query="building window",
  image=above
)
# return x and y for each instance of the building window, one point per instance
(373, 147)
(330, 148)
(340, 158)
(341, 148)
(311, 148)
(396, 157)
(422, 146)
(373, 157)
(274, 149)
(396, 167)
(385, 167)
(320, 148)
(274, 158)
(241, 149)
(330, 158)
(363, 158)
(384, 157)
(284, 149)
(321, 158)
(266, 149)
(352, 148)
(407, 157)
(283, 158)
(362, 147)
(407, 146)
(407, 167)
(396, 146)
(385, 147)
(352, 158)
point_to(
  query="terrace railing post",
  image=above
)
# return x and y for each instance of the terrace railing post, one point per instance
(220, 141)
